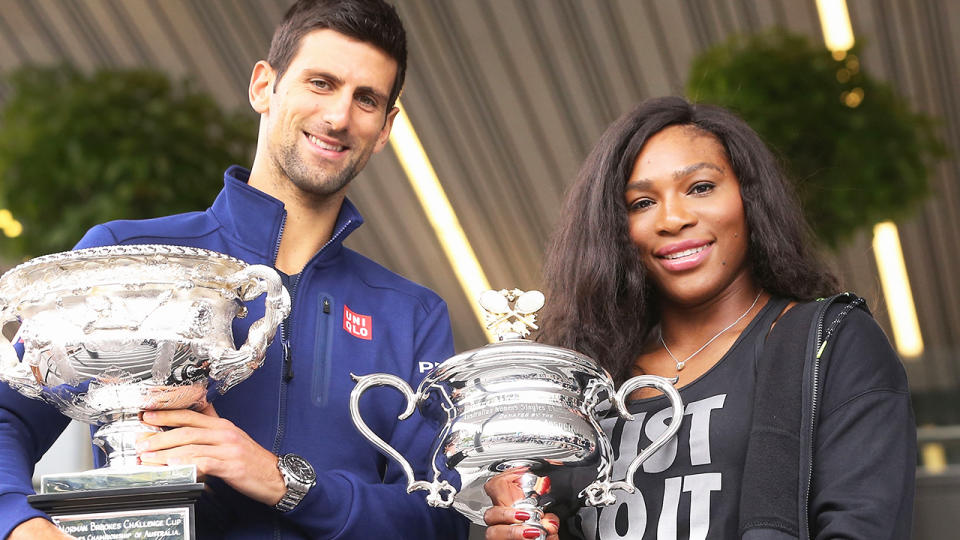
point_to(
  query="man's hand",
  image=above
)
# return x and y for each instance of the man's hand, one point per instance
(38, 529)
(217, 447)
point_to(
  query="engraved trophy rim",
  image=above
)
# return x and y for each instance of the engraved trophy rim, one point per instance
(495, 353)
(84, 255)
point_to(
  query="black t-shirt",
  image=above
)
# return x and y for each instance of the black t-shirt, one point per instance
(690, 488)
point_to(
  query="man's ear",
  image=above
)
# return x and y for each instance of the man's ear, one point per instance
(387, 127)
(261, 86)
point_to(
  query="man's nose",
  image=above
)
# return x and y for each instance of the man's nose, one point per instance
(336, 112)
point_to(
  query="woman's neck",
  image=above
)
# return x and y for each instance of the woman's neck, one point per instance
(686, 327)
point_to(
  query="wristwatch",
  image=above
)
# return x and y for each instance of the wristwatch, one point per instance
(299, 477)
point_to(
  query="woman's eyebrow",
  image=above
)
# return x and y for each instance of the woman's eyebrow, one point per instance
(696, 167)
(644, 183)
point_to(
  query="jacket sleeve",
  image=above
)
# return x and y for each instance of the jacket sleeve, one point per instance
(865, 446)
(342, 507)
(28, 427)
(97, 236)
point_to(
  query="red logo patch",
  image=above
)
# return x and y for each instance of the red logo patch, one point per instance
(357, 325)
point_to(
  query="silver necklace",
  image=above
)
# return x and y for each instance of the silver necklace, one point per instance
(682, 363)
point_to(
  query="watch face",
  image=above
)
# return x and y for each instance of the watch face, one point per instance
(299, 467)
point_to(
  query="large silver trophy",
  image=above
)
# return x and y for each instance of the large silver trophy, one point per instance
(518, 421)
(111, 332)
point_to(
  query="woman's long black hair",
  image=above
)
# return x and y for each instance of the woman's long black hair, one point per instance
(599, 301)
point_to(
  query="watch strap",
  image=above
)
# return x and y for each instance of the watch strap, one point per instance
(297, 487)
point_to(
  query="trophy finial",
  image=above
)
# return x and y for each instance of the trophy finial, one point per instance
(511, 322)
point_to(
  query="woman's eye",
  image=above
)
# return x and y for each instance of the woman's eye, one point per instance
(641, 204)
(701, 187)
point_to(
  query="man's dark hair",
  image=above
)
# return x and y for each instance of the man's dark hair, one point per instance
(371, 21)
(599, 300)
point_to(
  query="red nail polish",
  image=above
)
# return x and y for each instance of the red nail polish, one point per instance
(554, 522)
(531, 533)
(521, 515)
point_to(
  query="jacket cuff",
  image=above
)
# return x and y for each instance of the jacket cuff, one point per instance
(14, 510)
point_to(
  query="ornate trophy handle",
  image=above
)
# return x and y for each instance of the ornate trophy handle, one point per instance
(13, 371)
(235, 366)
(440, 493)
(600, 493)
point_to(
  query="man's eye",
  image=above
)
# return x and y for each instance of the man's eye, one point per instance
(320, 83)
(367, 101)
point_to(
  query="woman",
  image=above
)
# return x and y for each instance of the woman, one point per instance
(678, 251)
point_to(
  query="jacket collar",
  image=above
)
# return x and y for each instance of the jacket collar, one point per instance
(256, 219)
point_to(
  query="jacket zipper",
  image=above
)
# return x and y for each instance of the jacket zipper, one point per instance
(285, 344)
(813, 415)
(821, 344)
(287, 364)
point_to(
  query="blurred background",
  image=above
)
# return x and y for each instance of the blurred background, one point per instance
(132, 108)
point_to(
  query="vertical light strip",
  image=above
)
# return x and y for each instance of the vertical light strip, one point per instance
(442, 218)
(838, 37)
(835, 23)
(896, 290)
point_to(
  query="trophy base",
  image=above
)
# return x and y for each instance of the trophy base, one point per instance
(118, 478)
(167, 512)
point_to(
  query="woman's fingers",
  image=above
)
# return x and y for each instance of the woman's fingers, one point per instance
(506, 523)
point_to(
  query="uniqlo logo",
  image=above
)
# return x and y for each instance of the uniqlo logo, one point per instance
(357, 325)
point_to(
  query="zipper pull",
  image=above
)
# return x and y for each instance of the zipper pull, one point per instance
(287, 362)
(326, 306)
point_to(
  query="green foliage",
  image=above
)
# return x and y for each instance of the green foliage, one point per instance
(857, 151)
(79, 149)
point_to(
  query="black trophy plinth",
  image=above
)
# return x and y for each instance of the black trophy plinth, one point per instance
(134, 513)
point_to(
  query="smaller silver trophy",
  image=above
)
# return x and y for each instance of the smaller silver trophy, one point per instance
(114, 331)
(518, 421)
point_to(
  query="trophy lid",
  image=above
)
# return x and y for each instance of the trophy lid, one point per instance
(512, 315)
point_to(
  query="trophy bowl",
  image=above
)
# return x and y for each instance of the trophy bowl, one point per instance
(518, 422)
(110, 332)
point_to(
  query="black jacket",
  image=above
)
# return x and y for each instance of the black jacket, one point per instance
(832, 452)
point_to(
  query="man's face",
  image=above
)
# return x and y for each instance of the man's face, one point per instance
(328, 112)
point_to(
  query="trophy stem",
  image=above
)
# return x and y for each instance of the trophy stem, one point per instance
(529, 505)
(534, 487)
(118, 440)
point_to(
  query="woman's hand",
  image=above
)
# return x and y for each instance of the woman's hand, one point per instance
(506, 523)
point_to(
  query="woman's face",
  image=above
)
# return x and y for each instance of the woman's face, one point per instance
(686, 216)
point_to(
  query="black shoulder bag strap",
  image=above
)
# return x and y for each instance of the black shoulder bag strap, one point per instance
(770, 488)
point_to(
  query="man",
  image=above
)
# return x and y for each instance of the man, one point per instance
(326, 97)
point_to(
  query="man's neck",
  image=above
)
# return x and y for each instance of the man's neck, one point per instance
(309, 223)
